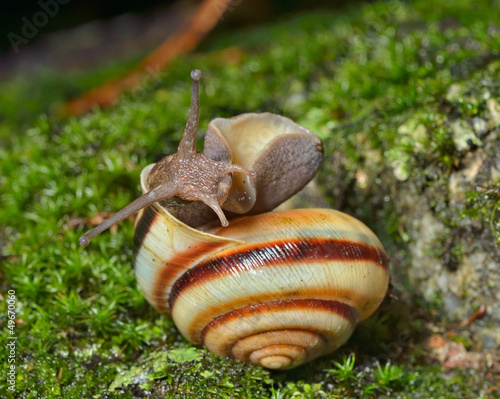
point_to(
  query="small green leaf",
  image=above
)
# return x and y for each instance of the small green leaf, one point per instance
(206, 374)
(182, 355)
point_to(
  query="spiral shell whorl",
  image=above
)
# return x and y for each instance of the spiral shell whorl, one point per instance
(307, 329)
(279, 349)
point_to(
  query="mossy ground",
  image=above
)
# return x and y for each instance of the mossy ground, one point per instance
(83, 327)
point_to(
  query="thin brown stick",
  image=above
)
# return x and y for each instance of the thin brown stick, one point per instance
(478, 314)
(186, 39)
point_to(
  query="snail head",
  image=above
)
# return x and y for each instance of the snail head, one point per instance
(188, 174)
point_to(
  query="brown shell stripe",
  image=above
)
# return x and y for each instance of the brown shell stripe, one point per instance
(335, 307)
(275, 253)
(143, 225)
(176, 265)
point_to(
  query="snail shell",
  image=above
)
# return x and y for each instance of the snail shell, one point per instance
(276, 289)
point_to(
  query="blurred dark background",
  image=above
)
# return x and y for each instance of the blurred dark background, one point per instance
(78, 33)
(70, 14)
(76, 12)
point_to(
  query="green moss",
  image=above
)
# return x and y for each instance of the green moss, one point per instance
(371, 81)
(375, 381)
(484, 203)
(190, 372)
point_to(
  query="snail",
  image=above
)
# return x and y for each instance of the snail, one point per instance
(272, 288)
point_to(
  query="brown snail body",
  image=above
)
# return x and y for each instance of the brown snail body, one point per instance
(275, 289)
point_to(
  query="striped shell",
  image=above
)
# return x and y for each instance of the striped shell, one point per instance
(276, 289)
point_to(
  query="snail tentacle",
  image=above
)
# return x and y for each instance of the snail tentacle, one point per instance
(187, 144)
(212, 203)
(158, 194)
